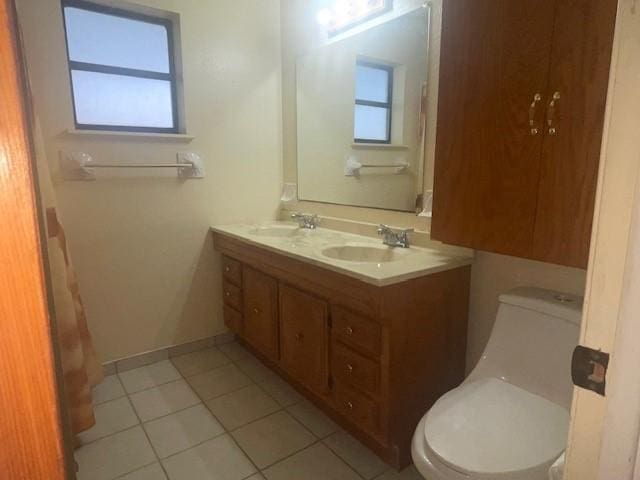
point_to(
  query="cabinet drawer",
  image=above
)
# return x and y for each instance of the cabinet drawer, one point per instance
(232, 319)
(357, 408)
(232, 295)
(354, 369)
(356, 331)
(232, 270)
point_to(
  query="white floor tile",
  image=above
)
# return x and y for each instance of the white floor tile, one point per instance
(149, 376)
(113, 456)
(314, 463)
(218, 382)
(111, 417)
(217, 459)
(409, 473)
(271, 439)
(281, 391)
(361, 459)
(152, 472)
(242, 406)
(312, 418)
(235, 352)
(200, 361)
(109, 389)
(182, 430)
(255, 369)
(163, 400)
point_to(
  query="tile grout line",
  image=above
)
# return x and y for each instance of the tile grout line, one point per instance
(225, 430)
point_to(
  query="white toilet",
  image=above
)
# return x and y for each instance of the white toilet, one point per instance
(510, 418)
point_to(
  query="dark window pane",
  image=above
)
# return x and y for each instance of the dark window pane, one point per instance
(371, 123)
(372, 84)
(104, 39)
(117, 100)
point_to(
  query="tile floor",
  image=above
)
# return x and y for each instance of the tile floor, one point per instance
(217, 414)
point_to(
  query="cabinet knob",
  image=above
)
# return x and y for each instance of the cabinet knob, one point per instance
(256, 311)
(350, 405)
(227, 294)
(349, 331)
(349, 368)
(227, 269)
(299, 337)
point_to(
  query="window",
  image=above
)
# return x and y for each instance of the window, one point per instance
(374, 90)
(122, 69)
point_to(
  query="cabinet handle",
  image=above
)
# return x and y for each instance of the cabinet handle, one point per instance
(227, 294)
(350, 405)
(227, 269)
(349, 369)
(299, 337)
(551, 113)
(256, 311)
(349, 331)
(537, 98)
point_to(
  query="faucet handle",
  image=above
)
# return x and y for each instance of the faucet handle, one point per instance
(382, 229)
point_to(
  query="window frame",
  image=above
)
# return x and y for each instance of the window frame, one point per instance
(388, 105)
(171, 77)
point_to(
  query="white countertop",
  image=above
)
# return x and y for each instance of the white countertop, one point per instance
(308, 245)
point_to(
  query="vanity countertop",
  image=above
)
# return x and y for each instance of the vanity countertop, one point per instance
(308, 246)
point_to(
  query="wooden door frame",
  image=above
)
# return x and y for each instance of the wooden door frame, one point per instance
(32, 432)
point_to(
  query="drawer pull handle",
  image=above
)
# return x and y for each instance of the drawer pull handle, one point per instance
(299, 337)
(349, 331)
(350, 405)
(349, 369)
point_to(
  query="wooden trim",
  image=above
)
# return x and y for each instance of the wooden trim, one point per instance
(32, 445)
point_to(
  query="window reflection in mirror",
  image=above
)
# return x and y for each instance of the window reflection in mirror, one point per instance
(360, 102)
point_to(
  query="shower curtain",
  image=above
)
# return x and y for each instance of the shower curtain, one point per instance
(80, 364)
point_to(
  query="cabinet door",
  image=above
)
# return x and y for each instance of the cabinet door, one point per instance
(260, 327)
(304, 338)
(494, 59)
(579, 73)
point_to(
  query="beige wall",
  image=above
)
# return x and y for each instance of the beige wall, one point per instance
(492, 274)
(140, 241)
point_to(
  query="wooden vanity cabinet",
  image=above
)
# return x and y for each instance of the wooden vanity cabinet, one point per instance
(522, 96)
(374, 358)
(304, 338)
(260, 325)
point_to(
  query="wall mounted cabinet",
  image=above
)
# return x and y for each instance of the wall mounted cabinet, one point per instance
(522, 99)
(374, 358)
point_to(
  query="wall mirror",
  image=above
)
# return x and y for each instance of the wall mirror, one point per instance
(361, 119)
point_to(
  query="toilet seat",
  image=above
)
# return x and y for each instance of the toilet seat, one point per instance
(490, 428)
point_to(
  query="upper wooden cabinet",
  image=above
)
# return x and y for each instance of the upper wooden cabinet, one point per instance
(521, 109)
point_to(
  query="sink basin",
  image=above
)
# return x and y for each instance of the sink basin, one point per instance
(364, 254)
(276, 232)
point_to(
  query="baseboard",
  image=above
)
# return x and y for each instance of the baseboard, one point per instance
(146, 358)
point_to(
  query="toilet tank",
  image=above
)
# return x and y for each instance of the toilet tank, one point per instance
(532, 341)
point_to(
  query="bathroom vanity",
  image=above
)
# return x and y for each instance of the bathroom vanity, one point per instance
(370, 334)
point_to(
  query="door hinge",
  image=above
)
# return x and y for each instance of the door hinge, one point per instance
(589, 369)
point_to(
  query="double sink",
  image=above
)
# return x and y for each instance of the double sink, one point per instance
(350, 252)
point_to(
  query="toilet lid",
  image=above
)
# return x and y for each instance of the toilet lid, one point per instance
(490, 426)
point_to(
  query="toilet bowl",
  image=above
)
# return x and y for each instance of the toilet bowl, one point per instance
(509, 419)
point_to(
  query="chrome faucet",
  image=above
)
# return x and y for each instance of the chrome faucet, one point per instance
(306, 221)
(395, 238)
